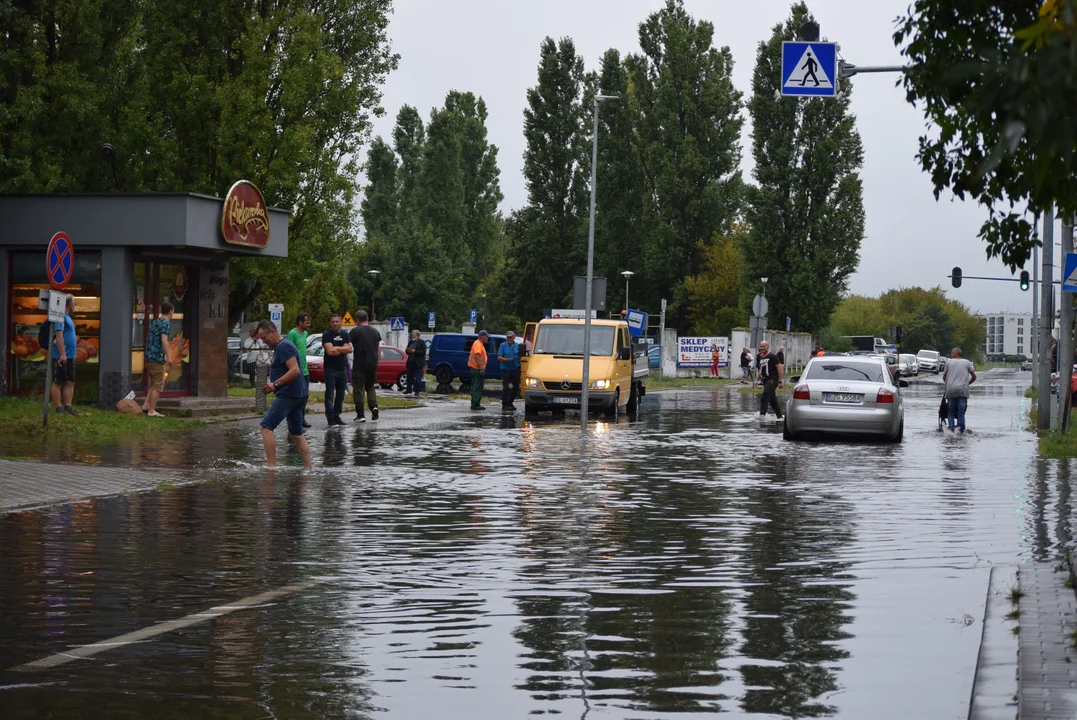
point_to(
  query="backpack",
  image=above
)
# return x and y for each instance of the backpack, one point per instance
(43, 335)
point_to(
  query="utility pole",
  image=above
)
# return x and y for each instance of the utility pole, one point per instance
(1034, 337)
(1065, 333)
(1047, 289)
(585, 396)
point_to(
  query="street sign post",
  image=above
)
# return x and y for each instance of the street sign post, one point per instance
(56, 304)
(396, 324)
(809, 69)
(276, 312)
(347, 320)
(431, 320)
(637, 321)
(473, 317)
(759, 305)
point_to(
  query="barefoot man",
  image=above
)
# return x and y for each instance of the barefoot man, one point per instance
(287, 384)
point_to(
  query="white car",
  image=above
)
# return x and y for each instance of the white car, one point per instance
(908, 365)
(850, 395)
(930, 361)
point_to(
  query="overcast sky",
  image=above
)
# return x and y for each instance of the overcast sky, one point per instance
(490, 47)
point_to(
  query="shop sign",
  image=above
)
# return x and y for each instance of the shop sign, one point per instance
(179, 283)
(695, 352)
(245, 218)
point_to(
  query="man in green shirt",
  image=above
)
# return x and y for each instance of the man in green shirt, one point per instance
(298, 337)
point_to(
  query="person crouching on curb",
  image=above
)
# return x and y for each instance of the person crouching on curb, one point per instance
(287, 384)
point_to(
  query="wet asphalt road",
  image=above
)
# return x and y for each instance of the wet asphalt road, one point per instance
(688, 561)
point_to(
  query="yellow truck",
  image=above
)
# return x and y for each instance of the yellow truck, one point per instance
(551, 368)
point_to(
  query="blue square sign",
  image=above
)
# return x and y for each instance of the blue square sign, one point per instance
(1069, 273)
(809, 69)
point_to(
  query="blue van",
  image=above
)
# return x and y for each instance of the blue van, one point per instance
(449, 353)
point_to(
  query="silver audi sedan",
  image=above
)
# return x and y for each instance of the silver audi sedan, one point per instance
(848, 395)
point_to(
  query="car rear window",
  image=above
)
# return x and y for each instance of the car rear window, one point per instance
(847, 371)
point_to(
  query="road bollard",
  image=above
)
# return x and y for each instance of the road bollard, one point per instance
(261, 377)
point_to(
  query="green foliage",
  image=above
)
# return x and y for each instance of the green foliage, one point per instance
(714, 293)
(806, 213)
(430, 214)
(928, 319)
(194, 95)
(1000, 88)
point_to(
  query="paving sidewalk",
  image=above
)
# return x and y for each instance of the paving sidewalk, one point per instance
(28, 484)
(1047, 658)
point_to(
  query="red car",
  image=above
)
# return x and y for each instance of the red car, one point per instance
(392, 367)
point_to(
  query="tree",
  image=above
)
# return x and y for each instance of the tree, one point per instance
(193, 95)
(998, 81)
(806, 212)
(714, 293)
(546, 240)
(686, 115)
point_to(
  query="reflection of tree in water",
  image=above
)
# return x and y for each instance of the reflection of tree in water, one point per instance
(795, 616)
(601, 624)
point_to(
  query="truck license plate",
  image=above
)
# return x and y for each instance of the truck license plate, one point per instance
(566, 400)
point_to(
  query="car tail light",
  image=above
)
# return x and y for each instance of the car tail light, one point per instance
(885, 396)
(800, 392)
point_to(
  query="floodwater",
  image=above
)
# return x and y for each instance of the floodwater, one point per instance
(690, 561)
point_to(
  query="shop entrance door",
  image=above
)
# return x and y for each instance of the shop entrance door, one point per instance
(156, 283)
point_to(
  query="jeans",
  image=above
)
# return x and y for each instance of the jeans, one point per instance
(770, 396)
(955, 409)
(363, 384)
(510, 387)
(336, 386)
(744, 372)
(477, 379)
(415, 377)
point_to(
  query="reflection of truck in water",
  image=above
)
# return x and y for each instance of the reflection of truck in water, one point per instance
(867, 343)
(552, 369)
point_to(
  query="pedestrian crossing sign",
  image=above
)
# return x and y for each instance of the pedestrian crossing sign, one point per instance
(809, 69)
(1069, 273)
(347, 319)
(396, 324)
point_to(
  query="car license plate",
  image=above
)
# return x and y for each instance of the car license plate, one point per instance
(844, 398)
(566, 400)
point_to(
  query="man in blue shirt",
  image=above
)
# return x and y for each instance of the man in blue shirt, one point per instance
(509, 357)
(64, 347)
(287, 383)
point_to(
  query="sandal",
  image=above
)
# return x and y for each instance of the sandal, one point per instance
(154, 414)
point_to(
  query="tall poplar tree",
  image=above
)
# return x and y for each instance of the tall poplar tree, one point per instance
(806, 213)
(547, 238)
(687, 124)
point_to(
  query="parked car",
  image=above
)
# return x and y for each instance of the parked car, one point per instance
(449, 353)
(930, 361)
(846, 395)
(654, 357)
(392, 368)
(1027, 366)
(315, 362)
(908, 365)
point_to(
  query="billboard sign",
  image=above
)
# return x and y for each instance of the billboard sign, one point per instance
(696, 352)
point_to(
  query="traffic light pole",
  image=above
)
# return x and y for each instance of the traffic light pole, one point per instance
(1043, 382)
(1035, 330)
(1065, 339)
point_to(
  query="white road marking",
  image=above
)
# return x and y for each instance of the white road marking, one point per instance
(85, 651)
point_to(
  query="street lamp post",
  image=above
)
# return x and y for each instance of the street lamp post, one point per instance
(584, 393)
(627, 274)
(373, 290)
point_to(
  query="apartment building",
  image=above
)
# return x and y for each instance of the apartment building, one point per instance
(1008, 333)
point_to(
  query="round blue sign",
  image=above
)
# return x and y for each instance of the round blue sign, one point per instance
(60, 261)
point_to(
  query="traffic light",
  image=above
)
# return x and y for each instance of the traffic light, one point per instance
(898, 334)
(1024, 279)
(955, 277)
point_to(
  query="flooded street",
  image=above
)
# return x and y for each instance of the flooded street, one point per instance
(690, 561)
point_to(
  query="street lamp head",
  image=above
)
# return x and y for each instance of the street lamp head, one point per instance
(373, 273)
(600, 98)
(764, 280)
(627, 273)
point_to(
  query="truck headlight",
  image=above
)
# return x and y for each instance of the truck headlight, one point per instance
(534, 382)
(600, 384)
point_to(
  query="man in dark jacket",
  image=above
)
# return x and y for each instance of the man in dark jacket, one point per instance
(416, 352)
(367, 343)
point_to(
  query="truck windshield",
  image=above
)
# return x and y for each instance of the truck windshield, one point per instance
(568, 340)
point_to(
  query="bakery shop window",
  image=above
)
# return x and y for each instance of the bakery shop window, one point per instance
(27, 371)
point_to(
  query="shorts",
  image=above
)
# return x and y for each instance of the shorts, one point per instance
(65, 373)
(156, 373)
(286, 407)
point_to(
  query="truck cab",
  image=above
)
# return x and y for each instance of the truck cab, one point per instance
(552, 366)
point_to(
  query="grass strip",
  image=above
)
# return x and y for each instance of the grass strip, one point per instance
(23, 416)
